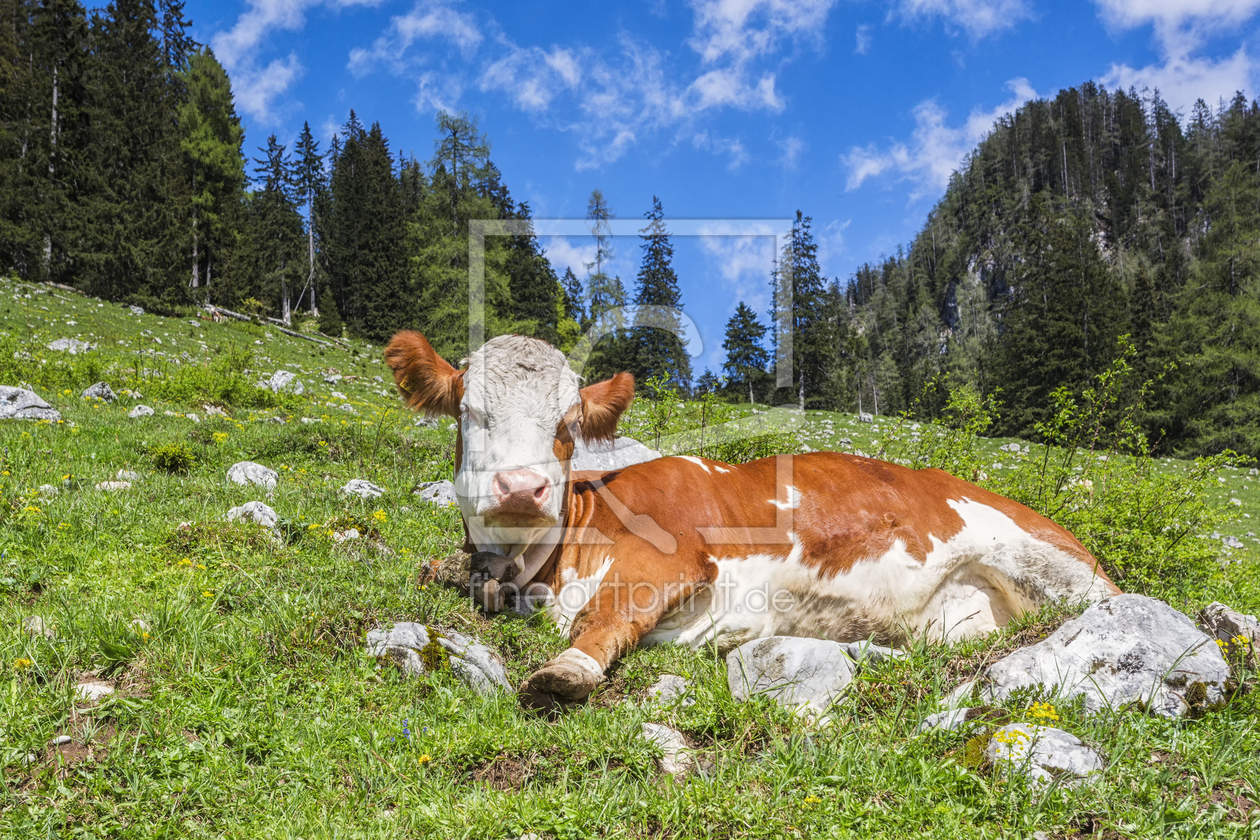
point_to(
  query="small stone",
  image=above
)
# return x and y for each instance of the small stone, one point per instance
(806, 673)
(92, 691)
(193, 417)
(348, 534)
(1010, 447)
(100, 391)
(214, 411)
(113, 486)
(332, 378)
(285, 380)
(140, 411)
(1230, 541)
(248, 472)
(867, 651)
(362, 488)
(48, 491)
(347, 408)
(30, 758)
(25, 404)
(73, 346)
(61, 740)
(670, 689)
(256, 512)
(136, 310)
(1226, 625)
(1042, 753)
(141, 625)
(36, 627)
(128, 475)
(279, 420)
(440, 493)
(950, 720)
(416, 647)
(676, 759)
(426, 422)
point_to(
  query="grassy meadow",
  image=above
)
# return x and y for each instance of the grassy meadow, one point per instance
(245, 706)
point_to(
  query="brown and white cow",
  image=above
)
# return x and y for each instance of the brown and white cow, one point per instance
(695, 551)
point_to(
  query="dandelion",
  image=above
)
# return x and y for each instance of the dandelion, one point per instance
(144, 636)
(21, 664)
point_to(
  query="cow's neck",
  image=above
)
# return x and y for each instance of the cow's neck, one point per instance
(537, 557)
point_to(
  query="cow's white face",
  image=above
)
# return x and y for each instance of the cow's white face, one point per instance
(521, 404)
(519, 410)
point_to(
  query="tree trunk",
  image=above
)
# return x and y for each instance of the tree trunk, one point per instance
(286, 313)
(196, 278)
(52, 168)
(750, 393)
(310, 247)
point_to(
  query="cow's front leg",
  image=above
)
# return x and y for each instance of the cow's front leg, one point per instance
(608, 627)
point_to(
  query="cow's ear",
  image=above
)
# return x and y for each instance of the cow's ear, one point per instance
(427, 382)
(602, 405)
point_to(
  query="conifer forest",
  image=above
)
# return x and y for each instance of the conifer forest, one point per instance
(1085, 227)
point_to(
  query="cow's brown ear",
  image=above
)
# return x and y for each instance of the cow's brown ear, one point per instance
(427, 382)
(602, 405)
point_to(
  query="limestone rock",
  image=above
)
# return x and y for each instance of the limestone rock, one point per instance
(1238, 632)
(113, 486)
(24, 404)
(1123, 650)
(93, 690)
(136, 310)
(426, 422)
(621, 452)
(48, 491)
(60, 741)
(417, 648)
(73, 346)
(440, 493)
(362, 488)
(867, 651)
(128, 475)
(100, 391)
(676, 759)
(256, 512)
(284, 380)
(36, 627)
(248, 472)
(1042, 753)
(140, 411)
(807, 673)
(670, 689)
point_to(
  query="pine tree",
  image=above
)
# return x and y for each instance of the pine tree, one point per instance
(329, 318)
(311, 182)
(537, 297)
(746, 358)
(798, 291)
(214, 167)
(277, 227)
(657, 341)
(574, 297)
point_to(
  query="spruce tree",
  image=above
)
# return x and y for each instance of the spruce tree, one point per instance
(537, 297)
(657, 343)
(311, 182)
(329, 318)
(797, 284)
(746, 357)
(277, 229)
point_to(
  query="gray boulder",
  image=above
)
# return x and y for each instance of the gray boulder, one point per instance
(670, 689)
(127, 475)
(676, 758)
(136, 310)
(73, 346)
(621, 452)
(806, 673)
(862, 652)
(100, 391)
(426, 422)
(140, 411)
(363, 489)
(417, 649)
(256, 512)
(1127, 649)
(440, 493)
(285, 380)
(1041, 753)
(1229, 626)
(21, 404)
(248, 472)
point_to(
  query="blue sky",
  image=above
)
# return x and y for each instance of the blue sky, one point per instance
(854, 112)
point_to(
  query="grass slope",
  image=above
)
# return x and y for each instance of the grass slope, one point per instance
(245, 706)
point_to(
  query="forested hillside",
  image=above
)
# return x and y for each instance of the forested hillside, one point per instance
(1079, 220)
(123, 173)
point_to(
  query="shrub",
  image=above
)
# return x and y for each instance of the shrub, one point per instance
(174, 458)
(329, 318)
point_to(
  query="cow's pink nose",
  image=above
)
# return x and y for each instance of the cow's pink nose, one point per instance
(525, 485)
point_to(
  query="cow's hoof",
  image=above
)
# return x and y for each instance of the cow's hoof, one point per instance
(562, 682)
(537, 700)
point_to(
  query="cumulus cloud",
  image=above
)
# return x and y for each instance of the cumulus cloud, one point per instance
(426, 21)
(977, 17)
(256, 83)
(741, 30)
(533, 77)
(562, 253)
(743, 260)
(731, 147)
(1181, 27)
(936, 148)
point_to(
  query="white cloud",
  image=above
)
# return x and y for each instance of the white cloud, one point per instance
(256, 88)
(792, 148)
(437, 92)
(831, 247)
(729, 86)
(733, 148)
(743, 262)
(1181, 27)
(428, 20)
(863, 39)
(978, 17)
(562, 254)
(534, 77)
(741, 30)
(936, 148)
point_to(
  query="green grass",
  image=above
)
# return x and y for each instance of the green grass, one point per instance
(248, 709)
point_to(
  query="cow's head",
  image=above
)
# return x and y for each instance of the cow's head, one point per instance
(520, 410)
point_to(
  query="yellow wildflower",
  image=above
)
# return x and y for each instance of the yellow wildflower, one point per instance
(425, 759)
(21, 664)
(379, 516)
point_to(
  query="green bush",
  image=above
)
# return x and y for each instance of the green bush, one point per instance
(221, 381)
(174, 458)
(743, 450)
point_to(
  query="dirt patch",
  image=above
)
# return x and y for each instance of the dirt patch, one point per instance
(504, 772)
(1230, 796)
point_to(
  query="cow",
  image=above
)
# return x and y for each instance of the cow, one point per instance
(696, 551)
